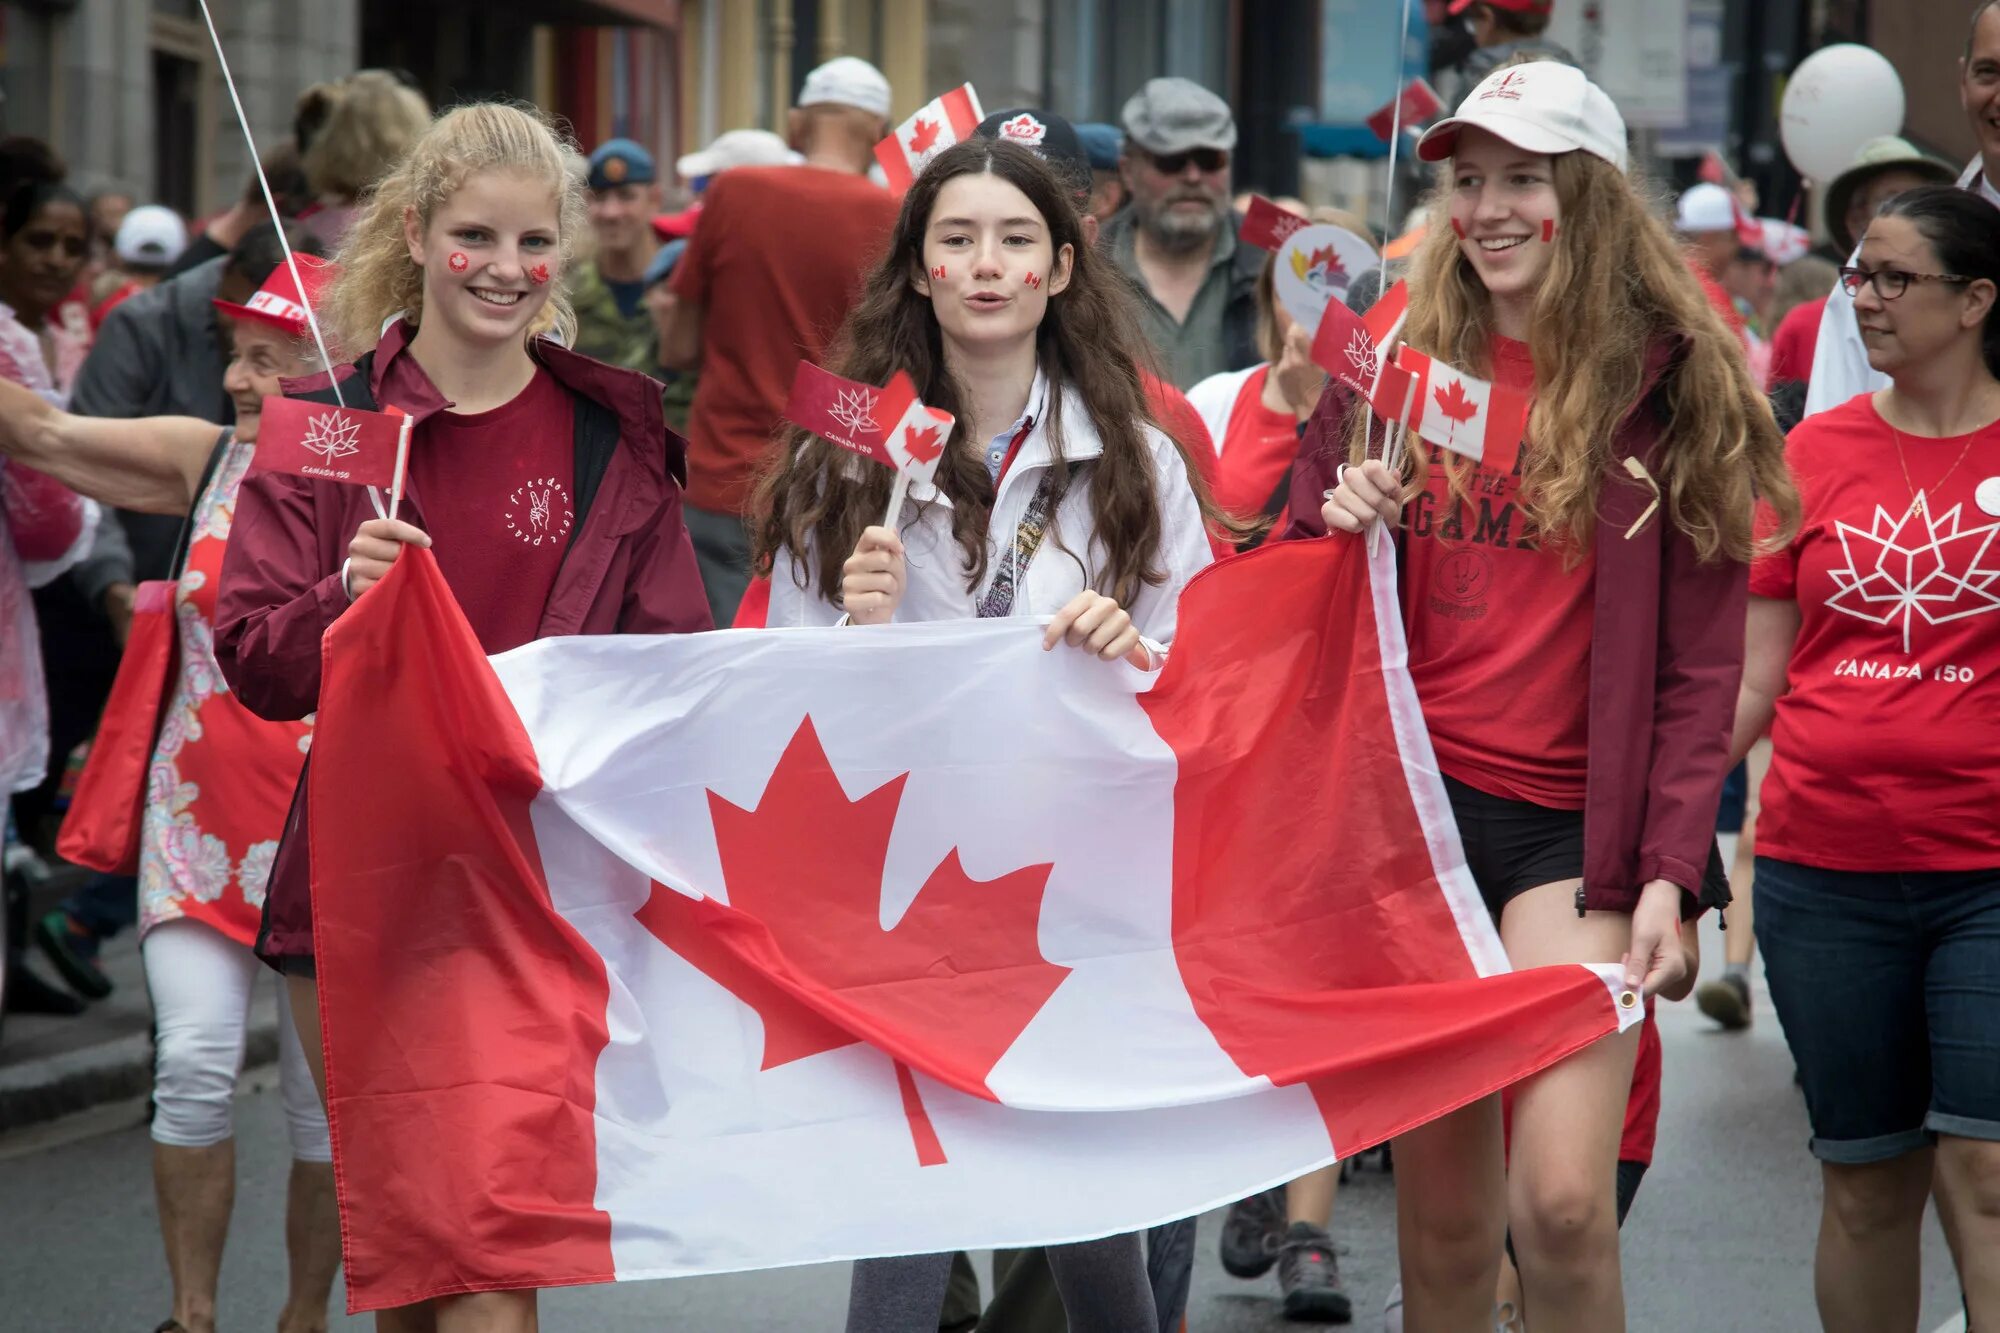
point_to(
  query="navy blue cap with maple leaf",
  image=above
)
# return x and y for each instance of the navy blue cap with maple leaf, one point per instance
(1048, 134)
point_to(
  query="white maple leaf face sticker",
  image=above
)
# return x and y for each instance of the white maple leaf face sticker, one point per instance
(855, 410)
(332, 435)
(1361, 354)
(1920, 565)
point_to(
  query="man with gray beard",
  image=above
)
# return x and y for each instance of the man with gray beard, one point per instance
(1176, 239)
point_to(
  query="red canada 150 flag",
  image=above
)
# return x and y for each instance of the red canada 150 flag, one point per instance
(649, 956)
(328, 441)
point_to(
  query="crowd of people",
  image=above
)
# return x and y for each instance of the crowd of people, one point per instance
(1737, 579)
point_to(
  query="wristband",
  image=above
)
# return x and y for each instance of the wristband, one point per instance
(345, 586)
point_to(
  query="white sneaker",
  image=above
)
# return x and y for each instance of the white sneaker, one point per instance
(1506, 1319)
(1392, 1310)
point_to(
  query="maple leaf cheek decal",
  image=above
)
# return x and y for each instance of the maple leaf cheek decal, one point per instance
(801, 940)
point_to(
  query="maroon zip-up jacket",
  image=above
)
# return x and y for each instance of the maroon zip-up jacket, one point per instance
(629, 569)
(1666, 657)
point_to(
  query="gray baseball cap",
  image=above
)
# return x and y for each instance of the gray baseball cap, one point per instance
(1174, 115)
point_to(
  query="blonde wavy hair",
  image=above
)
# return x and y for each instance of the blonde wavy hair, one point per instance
(378, 280)
(1616, 288)
(366, 123)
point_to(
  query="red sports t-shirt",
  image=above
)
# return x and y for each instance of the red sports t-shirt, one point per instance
(775, 263)
(497, 491)
(1885, 753)
(1258, 446)
(1794, 343)
(1499, 631)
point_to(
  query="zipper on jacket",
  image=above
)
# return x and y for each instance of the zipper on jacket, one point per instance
(1580, 911)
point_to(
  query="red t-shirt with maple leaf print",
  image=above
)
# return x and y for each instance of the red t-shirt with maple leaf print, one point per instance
(496, 494)
(1886, 745)
(1499, 629)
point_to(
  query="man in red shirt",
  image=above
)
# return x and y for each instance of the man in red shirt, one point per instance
(770, 273)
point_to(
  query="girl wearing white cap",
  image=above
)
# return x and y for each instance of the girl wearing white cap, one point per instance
(1576, 636)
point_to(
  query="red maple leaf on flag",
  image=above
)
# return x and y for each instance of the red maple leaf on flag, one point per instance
(801, 939)
(1453, 401)
(923, 136)
(923, 443)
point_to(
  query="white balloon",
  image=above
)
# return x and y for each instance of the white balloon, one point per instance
(1838, 98)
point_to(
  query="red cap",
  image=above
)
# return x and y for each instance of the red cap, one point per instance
(677, 226)
(278, 302)
(1518, 6)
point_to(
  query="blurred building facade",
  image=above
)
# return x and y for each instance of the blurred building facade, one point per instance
(128, 90)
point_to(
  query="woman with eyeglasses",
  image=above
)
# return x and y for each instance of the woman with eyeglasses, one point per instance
(1874, 646)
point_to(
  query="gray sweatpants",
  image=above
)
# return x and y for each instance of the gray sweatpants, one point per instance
(1103, 1284)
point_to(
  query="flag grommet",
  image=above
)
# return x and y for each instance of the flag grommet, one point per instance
(1628, 999)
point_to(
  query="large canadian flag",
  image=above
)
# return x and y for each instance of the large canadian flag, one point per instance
(641, 957)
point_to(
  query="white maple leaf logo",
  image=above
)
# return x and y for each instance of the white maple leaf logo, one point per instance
(1921, 564)
(855, 410)
(332, 435)
(1361, 354)
(1285, 224)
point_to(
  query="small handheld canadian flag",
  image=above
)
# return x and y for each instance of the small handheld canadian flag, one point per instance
(943, 121)
(1265, 225)
(1462, 413)
(1418, 102)
(333, 443)
(1349, 347)
(890, 425)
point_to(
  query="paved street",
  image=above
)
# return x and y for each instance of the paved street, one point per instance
(1720, 1240)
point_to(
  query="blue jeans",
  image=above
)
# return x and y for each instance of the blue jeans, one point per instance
(1888, 987)
(105, 905)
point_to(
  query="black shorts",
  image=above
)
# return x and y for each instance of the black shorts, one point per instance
(1513, 846)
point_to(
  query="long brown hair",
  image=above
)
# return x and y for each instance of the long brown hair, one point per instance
(817, 498)
(1616, 288)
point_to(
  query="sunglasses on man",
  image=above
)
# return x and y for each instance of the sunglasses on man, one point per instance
(1206, 159)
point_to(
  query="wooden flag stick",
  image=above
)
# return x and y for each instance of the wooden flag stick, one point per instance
(402, 465)
(896, 497)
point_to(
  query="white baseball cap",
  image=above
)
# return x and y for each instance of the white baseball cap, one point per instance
(151, 234)
(738, 148)
(1705, 207)
(1543, 106)
(847, 81)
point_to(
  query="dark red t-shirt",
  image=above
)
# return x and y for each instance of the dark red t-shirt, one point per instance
(775, 263)
(1258, 446)
(1499, 630)
(1885, 752)
(1794, 343)
(496, 489)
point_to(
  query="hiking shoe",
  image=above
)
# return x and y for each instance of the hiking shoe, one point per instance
(73, 955)
(1252, 1232)
(1507, 1319)
(1309, 1277)
(1726, 1000)
(1392, 1310)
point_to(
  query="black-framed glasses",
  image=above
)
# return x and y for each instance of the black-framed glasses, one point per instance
(1207, 159)
(1890, 283)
